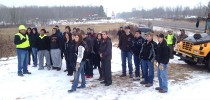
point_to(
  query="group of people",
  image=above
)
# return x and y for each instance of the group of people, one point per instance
(85, 51)
(82, 52)
(147, 53)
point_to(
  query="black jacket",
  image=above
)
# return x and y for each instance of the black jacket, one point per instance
(90, 39)
(106, 49)
(148, 51)
(136, 45)
(55, 42)
(125, 43)
(43, 43)
(163, 52)
(120, 33)
(33, 39)
(97, 46)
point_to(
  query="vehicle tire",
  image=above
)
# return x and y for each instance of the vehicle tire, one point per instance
(208, 64)
(190, 62)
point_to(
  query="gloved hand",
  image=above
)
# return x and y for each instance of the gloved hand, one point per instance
(23, 40)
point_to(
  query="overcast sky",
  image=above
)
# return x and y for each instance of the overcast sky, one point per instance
(109, 5)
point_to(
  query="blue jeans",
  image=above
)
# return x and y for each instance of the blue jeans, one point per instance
(148, 71)
(22, 56)
(127, 55)
(80, 71)
(137, 65)
(163, 77)
(35, 52)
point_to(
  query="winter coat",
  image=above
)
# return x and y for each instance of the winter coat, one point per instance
(81, 52)
(181, 37)
(148, 51)
(120, 33)
(125, 43)
(33, 39)
(106, 49)
(55, 42)
(163, 53)
(97, 46)
(43, 43)
(137, 45)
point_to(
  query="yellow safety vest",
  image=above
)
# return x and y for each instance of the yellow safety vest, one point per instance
(170, 38)
(24, 44)
(42, 36)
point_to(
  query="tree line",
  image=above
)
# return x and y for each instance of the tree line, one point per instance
(168, 12)
(16, 15)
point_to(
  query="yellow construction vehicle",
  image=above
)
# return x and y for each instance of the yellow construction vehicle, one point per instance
(196, 49)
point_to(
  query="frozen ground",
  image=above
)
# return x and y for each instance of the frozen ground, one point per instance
(53, 85)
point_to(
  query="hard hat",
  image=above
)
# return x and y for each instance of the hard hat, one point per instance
(22, 27)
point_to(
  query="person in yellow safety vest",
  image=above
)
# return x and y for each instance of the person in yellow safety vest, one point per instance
(171, 40)
(21, 41)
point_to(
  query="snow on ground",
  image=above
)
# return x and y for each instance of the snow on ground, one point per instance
(53, 85)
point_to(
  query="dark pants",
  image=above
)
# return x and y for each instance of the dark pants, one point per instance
(69, 65)
(171, 47)
(89, 65)
(106, 67)
(98, 64)
(128, 56)
(29, 55)
(137, 62)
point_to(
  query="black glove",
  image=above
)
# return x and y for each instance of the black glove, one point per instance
(23, 40)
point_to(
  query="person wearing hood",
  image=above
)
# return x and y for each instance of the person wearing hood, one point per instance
(147, 56)
(162, 57)
(136, 47)
(33, 43)
(21, 40)
(29, 33)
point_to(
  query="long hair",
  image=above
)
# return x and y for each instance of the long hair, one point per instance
(80, 40)
(68, 27)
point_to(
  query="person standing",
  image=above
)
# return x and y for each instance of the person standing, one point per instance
(90, 49)
(80, 62)
(162, 58)
(33, 43)
(207, 26)
(182, 36)
(106, 56)
(125, 45)
(55, 50)
(29, 33)
(43, 47)
(97, 55)
(147, 56)
(67, 38)
(120, 32)
(21, 40)
(171, 40)
(136, 47)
